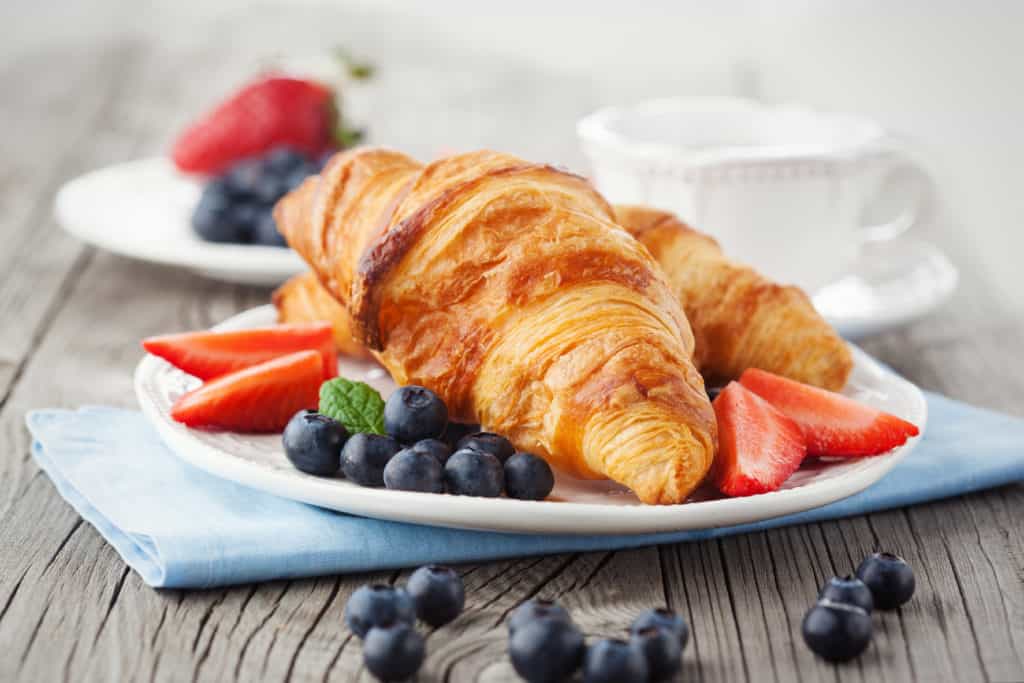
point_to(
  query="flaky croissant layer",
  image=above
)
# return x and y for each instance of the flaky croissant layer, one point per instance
(507, 288)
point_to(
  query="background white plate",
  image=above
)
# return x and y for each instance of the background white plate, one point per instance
(580, 507)
(142, 209)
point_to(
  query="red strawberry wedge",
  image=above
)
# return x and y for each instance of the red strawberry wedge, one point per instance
(758, 447)
(208, 355)
(258, 399)
(271, 112)
(833, 424)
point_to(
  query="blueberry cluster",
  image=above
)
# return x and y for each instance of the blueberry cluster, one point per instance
(546, 646)
(385, 616)
(237, 207)
(838, 628)
(422, 451)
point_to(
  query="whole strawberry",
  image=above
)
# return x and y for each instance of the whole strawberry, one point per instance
(272, 112)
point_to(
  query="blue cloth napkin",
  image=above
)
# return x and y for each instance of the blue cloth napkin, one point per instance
(178, 526)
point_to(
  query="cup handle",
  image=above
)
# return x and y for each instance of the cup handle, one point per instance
(895, 159)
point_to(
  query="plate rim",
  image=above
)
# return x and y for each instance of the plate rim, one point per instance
(459, 513)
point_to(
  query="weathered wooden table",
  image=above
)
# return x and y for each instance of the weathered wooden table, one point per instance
(72, 318)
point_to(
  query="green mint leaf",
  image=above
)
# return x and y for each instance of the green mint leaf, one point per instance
(356, 405)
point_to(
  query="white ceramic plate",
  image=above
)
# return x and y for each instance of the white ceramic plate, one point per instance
(578, 507)
(142, 209)
(891, 284)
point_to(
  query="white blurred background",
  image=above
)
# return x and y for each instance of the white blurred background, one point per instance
(462, 73)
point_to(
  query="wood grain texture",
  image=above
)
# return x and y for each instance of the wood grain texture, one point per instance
(69, 608)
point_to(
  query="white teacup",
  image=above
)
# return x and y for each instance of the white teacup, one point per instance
(785, 189)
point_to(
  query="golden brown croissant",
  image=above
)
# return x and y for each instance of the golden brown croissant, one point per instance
(740, 319)
(302, 299)
(507, 288)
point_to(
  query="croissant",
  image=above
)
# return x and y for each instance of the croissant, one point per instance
(507, 288)
(302, 298)
(740, 319)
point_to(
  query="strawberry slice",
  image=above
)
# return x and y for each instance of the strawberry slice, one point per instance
(207, 355)
(261, 398)
(833, 424)
(758, 447)
(271, 112)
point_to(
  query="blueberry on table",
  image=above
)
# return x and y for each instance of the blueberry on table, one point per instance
(614, 661)
(313, 443)
(438, 593)
(849, 590)
(435, 447)
(410, 470)
(365, 456)
(413, 413)
(663, 618)
(661, 650)
(889, 577)
(528, 477)
(393, 653)
(546, 650)
(836, 631)
(474, 473)
(378, 605)
(537, 608)
(266, 233)
(487, 442)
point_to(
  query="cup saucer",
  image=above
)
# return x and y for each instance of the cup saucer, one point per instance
(890, 285)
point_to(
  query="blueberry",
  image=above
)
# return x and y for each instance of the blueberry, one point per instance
(413, 413)
(268, 189)
(661, 650)
(474, 473)
(528, 477)
(456, 430)
(296, 177)
(324, 158)
(364, 457)
(243, 178)
(836, 631)
(266, 232)
(434, 447)
(244, 215)
(889, 577)
(496, 445)
(849, 590)
(378, 605)
(614, 661)
(393, 653)
(212, 219)
(663, 618)
(438, 593)
(538, 608)
(546, 650)
(283, 159)
(713, 392)
(313, 443)
(411, 470)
